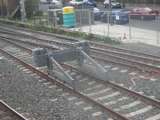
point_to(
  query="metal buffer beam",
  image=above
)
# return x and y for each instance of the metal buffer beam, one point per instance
(78, 52)
(92, 68)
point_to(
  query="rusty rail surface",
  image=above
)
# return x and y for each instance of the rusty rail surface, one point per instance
(112, 113)
(119, 55)
(73, 39)
(120, 88)
(8, 113)
(135, 94)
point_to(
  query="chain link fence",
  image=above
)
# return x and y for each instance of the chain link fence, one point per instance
(121, 26)
(145, 29)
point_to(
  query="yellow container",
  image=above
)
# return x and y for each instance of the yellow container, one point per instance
(68, 10)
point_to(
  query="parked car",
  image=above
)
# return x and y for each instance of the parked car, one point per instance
(90, 3)
(97, 14)
(144, 13)
(84, 3)
(118, 16)
(145, 10)
(44, 5)
(114, 4)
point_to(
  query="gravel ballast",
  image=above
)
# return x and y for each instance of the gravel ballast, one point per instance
(32, 98)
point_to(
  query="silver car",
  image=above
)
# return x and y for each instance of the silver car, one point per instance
(114, 4)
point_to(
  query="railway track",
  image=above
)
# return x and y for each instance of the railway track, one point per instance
(116, 100)
(24, 66)
(7, 113)
(132, 72)
(140, 61)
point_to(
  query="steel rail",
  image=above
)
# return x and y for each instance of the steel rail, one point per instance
(42, 33)
(157, 69)
(112, 113)
(134, 64)
(123, 89)
(10, 112)
(120, 88)
(145, 59)
(91, 42)
(53, 48)
(107, 46)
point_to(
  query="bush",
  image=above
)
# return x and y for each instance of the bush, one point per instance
(31, 7)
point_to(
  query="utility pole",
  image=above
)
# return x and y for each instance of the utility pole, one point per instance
(23, 11)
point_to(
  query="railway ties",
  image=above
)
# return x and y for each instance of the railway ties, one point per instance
(112, 98)
(147, 61)
(23, 55)
(107, 47)
(130, 62)
(96, 89)
(64, 88)
(95, 112)
(122, 56)
(118, 101)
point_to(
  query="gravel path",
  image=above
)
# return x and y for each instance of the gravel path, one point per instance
(33, 98)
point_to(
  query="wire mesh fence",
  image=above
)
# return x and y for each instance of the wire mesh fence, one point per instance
(145, 28)
(121, 25)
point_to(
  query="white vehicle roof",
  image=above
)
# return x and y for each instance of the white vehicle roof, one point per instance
(46, 0)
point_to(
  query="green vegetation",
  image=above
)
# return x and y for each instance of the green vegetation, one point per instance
(76, 34)
(31, 7)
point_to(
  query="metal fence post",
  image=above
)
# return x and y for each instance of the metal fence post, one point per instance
(55, 19)
(104, 27)
(80, 20)
(90, 22)
(158, 30)
(130, 30)
(23, 11)
(157, 34)
(108, 17)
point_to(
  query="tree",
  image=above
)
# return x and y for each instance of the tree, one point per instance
(31, 7)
